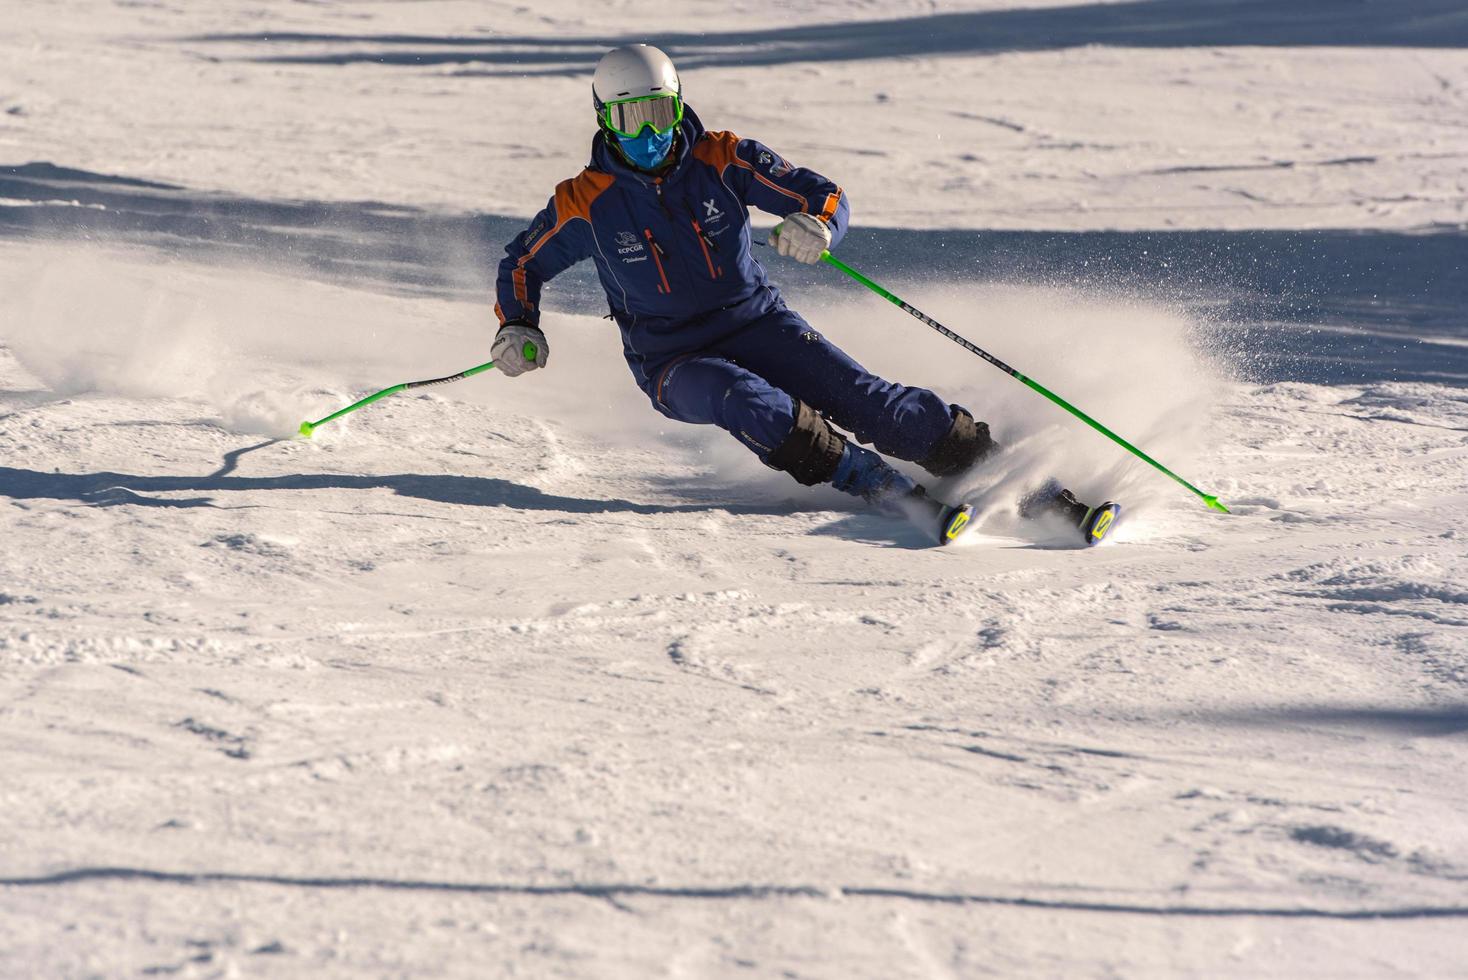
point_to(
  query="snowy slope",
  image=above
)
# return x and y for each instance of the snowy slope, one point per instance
(519, 679)
(1141, 115)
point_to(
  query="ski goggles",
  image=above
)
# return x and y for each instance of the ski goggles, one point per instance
(630, 117)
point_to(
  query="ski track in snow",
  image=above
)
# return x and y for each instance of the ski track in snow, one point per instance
(512, 678)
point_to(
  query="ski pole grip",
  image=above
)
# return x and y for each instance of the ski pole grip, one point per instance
(530, 352)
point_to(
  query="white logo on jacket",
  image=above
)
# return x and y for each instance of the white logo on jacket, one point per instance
(711, 211)
(627, 244)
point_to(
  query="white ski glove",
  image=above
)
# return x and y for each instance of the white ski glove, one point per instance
(801, 236)
(518, 348)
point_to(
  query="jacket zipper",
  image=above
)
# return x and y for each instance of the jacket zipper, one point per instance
(705, 242)
(657, 254)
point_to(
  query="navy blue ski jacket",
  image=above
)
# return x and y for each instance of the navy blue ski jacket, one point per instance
(672, 251)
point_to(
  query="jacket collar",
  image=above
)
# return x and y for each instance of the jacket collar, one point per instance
(608, 160)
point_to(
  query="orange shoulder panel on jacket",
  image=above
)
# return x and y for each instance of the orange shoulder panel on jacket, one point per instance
(717, 150)
(574, 196)
(573, 200)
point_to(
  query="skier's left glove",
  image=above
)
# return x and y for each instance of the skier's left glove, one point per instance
(519, 347)
(801, 236)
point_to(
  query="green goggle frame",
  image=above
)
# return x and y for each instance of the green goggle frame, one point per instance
(629, 117)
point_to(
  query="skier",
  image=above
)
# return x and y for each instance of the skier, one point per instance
(662, 209)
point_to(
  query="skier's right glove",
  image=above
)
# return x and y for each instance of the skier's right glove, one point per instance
(801, 236)
(519, 347)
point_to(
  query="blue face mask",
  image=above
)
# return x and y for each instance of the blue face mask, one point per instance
(649, 150)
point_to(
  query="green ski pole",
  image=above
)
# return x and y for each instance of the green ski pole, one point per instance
(529, 350)
(1030, 383)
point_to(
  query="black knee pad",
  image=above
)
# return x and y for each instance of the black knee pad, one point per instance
(811, 451)
(965, 443)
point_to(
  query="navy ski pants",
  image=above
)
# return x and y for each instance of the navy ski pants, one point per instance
(747, 383)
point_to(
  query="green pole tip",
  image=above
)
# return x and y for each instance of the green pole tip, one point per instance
(306, 429)
(529, 351)
(1213, 503)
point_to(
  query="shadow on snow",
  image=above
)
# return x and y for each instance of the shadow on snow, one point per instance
(107, 489)
(1387, 722)
(616, 892)
(1325, 307)
(1136, 24)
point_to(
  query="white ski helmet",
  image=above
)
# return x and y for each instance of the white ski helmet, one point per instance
(633, 71)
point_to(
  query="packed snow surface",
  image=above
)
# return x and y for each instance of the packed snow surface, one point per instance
(518, 678)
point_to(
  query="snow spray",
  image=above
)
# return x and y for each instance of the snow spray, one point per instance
(1209, 499)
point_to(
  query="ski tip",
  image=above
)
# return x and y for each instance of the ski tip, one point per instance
(1099, 522)
(306, 429)
(957, 522)
(1213, 504)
